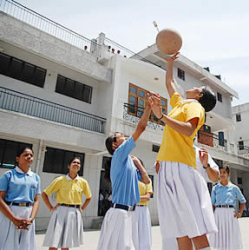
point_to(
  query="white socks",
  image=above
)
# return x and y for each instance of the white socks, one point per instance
(206, 248)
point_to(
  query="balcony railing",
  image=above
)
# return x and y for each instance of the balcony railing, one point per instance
(243, 150)
(45, 24)
(33, 106)
(212, 140)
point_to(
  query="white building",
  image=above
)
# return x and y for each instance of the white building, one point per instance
(64, 94)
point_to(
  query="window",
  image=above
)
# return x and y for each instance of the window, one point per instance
(137, 103)
(241, 145)
(206, 128)
(56, 160)
(221, 139)
(21, 70)
(8, 152)
(219, 97)
(238, 117)
(155, 148)
(240, 180)
(181, 74)
(71, 88)
(152, 181)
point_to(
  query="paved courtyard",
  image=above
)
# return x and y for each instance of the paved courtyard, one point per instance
(91, 237)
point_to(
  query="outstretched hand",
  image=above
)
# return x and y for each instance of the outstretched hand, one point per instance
(155, 102)
(203, 155)
(172, 58)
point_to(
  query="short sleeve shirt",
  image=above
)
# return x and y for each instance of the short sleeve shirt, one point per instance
(69, 191)
(124, 175)
(175, 146)
(143, 190)
(20, 187)
(226, 195)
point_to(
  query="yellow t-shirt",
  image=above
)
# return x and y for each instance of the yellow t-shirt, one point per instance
(69, 191)
(175, 146)
(143, 190)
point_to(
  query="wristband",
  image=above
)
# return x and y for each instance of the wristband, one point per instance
(160, 117)
(208, 166)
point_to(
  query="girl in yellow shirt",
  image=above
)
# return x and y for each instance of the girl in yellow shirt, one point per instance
(184, 204)
(65, 229)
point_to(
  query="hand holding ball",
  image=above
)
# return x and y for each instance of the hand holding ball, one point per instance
(169, 41)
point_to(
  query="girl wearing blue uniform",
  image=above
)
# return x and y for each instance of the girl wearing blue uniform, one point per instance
(19, 203)
(119, 228)
(224, 196)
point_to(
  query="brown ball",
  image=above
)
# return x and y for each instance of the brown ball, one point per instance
(169, 41)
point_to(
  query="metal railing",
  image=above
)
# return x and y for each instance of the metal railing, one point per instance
(212, 140)
(33, 106)
(243, 150)
(43, 23)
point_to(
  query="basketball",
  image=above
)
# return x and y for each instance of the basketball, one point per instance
(169, 41)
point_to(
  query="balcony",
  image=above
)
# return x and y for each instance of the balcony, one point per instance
(36, 107)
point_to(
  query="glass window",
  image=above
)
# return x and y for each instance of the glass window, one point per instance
(133, 90)
(56, 160)
(21, 70)
(4, 62)
(141, 93)
(238, 117)
(181, 74)
(141, 102)
(15, 70)
(132, 99)
(87, 95)
(78, 91)
(60, 84)
(163, 102)
(8, 152)
(69, 90)
(219, 97)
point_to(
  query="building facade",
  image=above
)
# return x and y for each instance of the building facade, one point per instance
(63, 94)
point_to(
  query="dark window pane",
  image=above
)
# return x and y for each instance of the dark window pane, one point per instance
(132, 108)
(78, 91)
(60, 84)
(28, 73)
(164, 111)
(16, 68)
(39, 77)
(57, 160)
(238, 117)
(4, 62)
(163, 102)
(69, 91)
(87, 94)
(9, 151)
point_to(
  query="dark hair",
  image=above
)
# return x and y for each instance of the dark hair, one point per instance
(208, 100)
(72, 159)
(107, 166)
(108, 143)
(226, 168)
(22, 150)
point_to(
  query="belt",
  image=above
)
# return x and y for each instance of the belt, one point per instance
(19, 204)
(124, 207)
(225, 206)
(67, 205)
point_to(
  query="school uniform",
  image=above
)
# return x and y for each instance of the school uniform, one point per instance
(143, 218)
(21, 189)
(224, 199)
(184, 205)
(119, 228)
(65, 229)
(171, 243)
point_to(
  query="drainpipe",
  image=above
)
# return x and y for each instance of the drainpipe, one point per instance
(38, 162)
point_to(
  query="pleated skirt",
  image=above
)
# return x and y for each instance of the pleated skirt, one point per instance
(65, 229)
(184, 203)
(119, 231)
(17, 239)
(228, 236)
(144, 227)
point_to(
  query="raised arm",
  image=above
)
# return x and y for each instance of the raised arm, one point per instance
(143, 122)
(170, 85)
(144, 176)
(185, 128)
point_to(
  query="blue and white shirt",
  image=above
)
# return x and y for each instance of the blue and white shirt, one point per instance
(226, 195)
(20, 187)
(124, 175)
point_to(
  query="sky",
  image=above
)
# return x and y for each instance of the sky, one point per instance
(215, 33)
